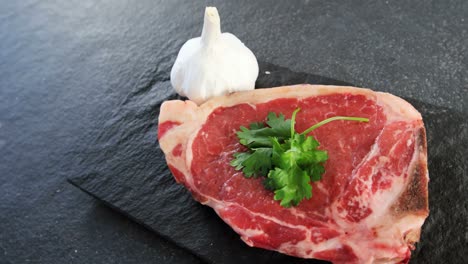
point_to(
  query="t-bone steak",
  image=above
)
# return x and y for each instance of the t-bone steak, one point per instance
(373, 197)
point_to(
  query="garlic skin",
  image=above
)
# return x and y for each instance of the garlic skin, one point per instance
(214, 64)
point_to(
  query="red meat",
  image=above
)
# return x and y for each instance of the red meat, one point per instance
(371, 202)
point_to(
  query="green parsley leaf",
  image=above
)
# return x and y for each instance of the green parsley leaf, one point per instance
(256, 163)
(289, 160)
(295, 159)
(292, 185)
(259, 136)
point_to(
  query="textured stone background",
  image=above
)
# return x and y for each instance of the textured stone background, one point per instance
(79, 81)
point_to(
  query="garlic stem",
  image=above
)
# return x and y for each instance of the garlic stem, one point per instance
(211, 26)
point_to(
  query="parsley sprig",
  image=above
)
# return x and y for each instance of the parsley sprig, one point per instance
(289, 160)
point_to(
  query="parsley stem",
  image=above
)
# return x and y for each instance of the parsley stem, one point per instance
(293, 121)
(328, 120)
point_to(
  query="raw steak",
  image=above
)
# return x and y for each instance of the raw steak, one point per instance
(373, 198)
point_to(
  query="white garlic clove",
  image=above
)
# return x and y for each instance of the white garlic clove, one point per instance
(214, 64)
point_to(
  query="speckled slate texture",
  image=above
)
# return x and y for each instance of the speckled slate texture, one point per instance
(67, 67)
(126, 169)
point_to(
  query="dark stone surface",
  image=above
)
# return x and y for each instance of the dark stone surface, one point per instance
(81, 81)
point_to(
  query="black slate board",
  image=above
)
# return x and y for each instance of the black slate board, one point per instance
(124, 167)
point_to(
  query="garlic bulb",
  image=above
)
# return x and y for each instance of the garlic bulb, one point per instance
(214, 64)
